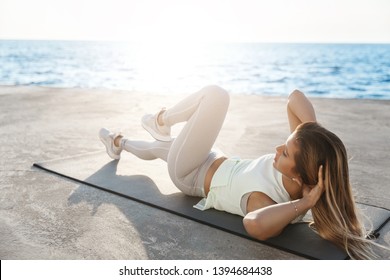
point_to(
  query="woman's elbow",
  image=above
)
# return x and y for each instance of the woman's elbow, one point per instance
(255, 229)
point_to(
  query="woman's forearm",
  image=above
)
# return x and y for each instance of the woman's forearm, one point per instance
(299, 110)
(271, 220)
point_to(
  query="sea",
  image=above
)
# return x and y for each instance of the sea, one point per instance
(323, 70)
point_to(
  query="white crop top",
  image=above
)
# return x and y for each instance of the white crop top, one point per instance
(235, 178)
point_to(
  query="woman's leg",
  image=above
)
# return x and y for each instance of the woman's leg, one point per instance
(189, 155)
(204, 112)
(214, 101)
(147, 150)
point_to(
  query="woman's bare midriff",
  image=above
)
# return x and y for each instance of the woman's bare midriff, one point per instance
(210, 173)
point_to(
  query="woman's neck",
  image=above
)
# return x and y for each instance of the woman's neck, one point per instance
(292, 187)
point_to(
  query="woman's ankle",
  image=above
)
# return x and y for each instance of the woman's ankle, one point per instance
(117, 141)
(160, 120)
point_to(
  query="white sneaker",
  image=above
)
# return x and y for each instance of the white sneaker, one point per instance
(108, 138)
(159, 132)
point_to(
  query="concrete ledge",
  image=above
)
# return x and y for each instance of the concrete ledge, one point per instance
(43, 216)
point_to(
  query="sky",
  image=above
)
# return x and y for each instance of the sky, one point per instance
(325, 21)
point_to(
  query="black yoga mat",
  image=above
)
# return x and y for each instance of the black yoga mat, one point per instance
(148, 182)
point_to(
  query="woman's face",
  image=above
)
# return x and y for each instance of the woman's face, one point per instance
(284, 158)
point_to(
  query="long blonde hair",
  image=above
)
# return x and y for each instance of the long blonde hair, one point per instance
(335, 216)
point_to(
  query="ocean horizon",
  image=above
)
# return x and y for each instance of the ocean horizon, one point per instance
(274, 69)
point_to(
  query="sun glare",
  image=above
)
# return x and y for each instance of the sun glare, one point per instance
(183, 21)
(165, 64)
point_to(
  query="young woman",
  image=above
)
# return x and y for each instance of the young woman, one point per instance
(308, 171)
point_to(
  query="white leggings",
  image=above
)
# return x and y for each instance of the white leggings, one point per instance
(190, 154)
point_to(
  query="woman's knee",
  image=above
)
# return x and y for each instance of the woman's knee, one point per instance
(217, 93)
